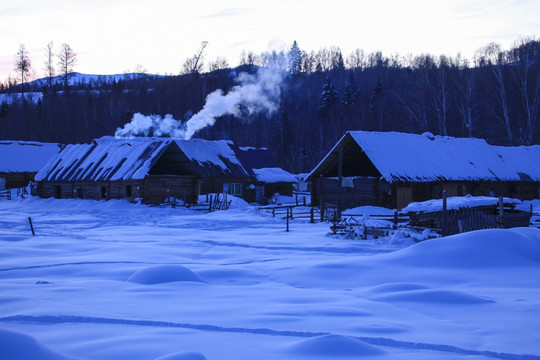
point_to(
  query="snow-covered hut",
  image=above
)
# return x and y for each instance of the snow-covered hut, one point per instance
(393, 169)
(21, 160)
(269, 178)
(149, 169)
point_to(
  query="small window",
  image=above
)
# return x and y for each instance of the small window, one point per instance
(128, 190)
(236, 189)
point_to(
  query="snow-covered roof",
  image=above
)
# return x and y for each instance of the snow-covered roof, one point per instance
(113, 159)
(457, 202)
(524, 160)
(260, 163)
(424, 158)
(104, 159)
(274, 175)
(215, 152)
(25, 156)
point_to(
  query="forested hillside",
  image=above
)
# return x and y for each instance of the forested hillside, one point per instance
(496, 97)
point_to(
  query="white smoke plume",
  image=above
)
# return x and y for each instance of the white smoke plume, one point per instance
(259, 93)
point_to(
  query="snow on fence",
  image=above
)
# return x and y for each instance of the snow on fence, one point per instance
(17, 193)
(5, 194)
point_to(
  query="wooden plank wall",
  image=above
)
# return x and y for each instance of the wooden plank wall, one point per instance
(157, 188)
(17, 179)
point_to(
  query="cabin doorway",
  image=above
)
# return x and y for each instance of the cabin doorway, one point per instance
(259, 194)
(103, 192)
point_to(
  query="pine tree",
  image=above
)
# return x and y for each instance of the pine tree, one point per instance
(295, 59)
(328, 98)
(328, 114)
(350, 103)
(375, 105)
(350, 97)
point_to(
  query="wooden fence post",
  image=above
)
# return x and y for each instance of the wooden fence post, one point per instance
(287, 219)
(31, 226)
(444, 215)
(312, 215)
(501, 212)
(340, 182)
(395, 218)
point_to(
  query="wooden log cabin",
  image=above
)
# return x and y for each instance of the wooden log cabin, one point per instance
(149, 170)
(21, 161)
(393, 169)
(268, 178)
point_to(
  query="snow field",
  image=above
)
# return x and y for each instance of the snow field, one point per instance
(113, 280)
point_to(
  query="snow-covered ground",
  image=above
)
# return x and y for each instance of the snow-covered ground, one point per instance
(113, 280)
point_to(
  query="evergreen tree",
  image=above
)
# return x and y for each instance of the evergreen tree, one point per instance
(376, 106)
(328, 98)
(350, 102)
(328, 114)
(351, 94)
(295, 59)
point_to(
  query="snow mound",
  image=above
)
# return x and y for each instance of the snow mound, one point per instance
(19, 346)
(369, 210)
(163, 274)
(457, 202)
(334, 346)
(183, 356)
(236, 202)
(13, 238)
(476, 249)
(396, 287)
(434, 296)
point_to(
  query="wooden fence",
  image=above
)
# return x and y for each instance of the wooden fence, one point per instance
(449, 222)
(5, 194)
(212, 203)
(20, 193)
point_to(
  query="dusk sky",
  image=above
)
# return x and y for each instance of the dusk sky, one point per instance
(114, 36)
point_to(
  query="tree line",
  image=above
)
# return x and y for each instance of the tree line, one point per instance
(496, 96)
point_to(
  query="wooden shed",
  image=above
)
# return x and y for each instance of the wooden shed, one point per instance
(146, 169)
(392, 169)
(21, 160)
(268, 178)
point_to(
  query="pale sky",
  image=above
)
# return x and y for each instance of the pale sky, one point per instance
(113, 36)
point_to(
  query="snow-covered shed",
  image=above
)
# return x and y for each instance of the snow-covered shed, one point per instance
(21, 160)
(393, 169)
(149, 169)
(269, 178)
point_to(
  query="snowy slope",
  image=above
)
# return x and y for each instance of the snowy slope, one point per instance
(113, 280)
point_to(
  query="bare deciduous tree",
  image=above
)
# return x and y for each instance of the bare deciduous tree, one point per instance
(67, 59)
(525, 72)
(492, 55)
(23, 65)
(195, 64)
(218, 64)
(50, 72)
